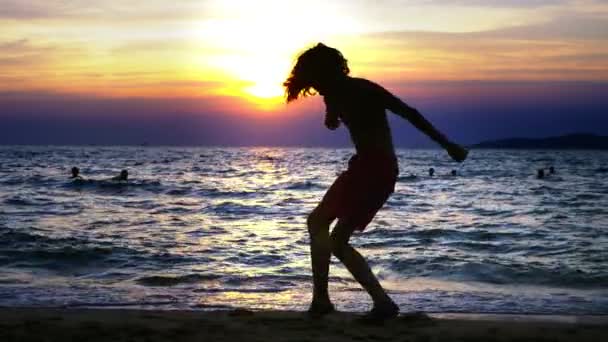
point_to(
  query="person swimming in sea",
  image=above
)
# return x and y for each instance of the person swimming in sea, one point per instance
(453, 173)
(359, 192)
(122, 177)
(431, 172)
(540, 173)
(75, 173)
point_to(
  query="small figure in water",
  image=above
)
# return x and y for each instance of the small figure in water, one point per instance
(431, 172)
(551, 170)
(453, 173)
(123, 176)
(359, 192)
(540, 174)
(76, 173)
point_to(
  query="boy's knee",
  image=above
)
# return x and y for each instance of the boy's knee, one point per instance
(338, 246)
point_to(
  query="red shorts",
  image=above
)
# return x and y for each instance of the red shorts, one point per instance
(359, 192)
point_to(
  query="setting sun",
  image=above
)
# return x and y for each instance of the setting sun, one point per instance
(256, 46)
(265, 90)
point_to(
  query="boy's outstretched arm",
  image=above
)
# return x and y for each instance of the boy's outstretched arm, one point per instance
(395, 105)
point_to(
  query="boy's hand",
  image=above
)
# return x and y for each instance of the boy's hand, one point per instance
(457, 152)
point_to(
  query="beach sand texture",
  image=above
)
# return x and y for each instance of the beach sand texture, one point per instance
(275, 326)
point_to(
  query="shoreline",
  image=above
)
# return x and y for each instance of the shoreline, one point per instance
(58, 324)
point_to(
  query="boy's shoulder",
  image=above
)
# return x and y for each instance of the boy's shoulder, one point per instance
(364, 84)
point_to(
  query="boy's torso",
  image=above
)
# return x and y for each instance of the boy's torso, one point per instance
(361, 108)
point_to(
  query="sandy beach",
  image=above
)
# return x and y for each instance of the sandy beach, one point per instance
(142, 325)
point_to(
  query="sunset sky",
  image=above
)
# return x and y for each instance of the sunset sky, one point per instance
(210, 72)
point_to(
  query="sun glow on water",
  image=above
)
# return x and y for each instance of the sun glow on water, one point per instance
(214, 226)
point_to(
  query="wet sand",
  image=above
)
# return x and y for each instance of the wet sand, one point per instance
(275, 326)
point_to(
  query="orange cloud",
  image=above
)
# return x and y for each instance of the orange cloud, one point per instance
(244, 49)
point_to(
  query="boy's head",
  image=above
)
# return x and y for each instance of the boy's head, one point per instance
(315, 68)
(124, 174)
(75, 172)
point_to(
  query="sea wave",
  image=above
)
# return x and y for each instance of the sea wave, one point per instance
(305, 185)
(493, 272)
(166, 280)
(234, 219)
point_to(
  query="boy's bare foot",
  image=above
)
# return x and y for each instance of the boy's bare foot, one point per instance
(380, 313)
(320, 309)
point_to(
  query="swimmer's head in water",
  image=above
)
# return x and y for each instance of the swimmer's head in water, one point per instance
(540, 173)
(75, 172)
(453, 172)
(124, 174)
(431, 172)
(315, 68)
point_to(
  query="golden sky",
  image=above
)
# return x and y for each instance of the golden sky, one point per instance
(218, 48)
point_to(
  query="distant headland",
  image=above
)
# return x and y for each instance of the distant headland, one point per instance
(577, 141)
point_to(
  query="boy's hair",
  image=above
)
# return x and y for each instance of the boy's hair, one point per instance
(318, 62)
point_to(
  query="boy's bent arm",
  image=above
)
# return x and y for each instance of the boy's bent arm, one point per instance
(412, 115)
(395, 105)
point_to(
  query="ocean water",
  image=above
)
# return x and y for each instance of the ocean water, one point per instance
(208, 228)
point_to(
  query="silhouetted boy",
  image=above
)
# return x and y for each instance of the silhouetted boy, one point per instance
(359, 192)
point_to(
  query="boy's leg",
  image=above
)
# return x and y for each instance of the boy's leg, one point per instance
(320, 253)
(358, 267)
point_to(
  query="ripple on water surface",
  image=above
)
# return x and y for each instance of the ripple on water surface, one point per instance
(203, 226)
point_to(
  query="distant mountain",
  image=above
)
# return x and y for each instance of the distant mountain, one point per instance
(572, 141)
